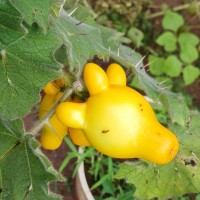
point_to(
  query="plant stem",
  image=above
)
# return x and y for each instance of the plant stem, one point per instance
(35, 129)
(177, 8)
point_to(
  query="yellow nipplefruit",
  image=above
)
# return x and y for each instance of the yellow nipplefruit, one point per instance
(117, 120)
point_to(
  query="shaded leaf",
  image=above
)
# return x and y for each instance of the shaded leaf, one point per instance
(190, 74)
(10, 29)
(168, 41)
(26, 66)
(82, 40)
(172, 66)
(172, 21)
(34, 11)
(179, 177)
(24, 174)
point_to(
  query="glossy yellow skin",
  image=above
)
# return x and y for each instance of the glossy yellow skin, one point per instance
(77, 136)
(117, 120)
(52, 135)
(51, 89)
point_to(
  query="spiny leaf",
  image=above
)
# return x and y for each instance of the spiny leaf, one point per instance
(179, 177)
(10, 29)
(82, 40)
(26, 66)
(34, 11)
(24, 174)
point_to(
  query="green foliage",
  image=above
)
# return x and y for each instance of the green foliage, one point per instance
(156, 65)
(180, 50)
(24, 172)
(168, 41)
(136, 36)
(172, 21)
(179, 177)
(172, 66)
(190, 73)
(34, 11)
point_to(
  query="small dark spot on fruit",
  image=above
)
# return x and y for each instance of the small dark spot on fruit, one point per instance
(190, 161)
(193, 175)
(104, 131)
(141, 68)
(141, 109)
(140, 105)
(146, 182)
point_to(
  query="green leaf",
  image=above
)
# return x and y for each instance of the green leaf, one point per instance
(188, 53)
(172, 21)
(136, 36)
(26, 66)
(10, 29)
(156, 65)
(168, 41)
(24, 171)
(34, 11)
(188, 38)
(83, 41)
(172, 66)
(176, 178)
(190, 74)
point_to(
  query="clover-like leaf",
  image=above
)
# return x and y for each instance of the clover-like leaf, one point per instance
(172, 21)
(188, 38)
(188, 53)
(34, 11)
(172, 66)
(179, 177)
(190, 74)
(168, 41)
(156, 64)
(24, 172)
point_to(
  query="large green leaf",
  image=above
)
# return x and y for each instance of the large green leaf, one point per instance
(26, 62)
(26, 66)
(10, 29)
(179, 177)
(83, 41)
(34, 11)
(24, 173)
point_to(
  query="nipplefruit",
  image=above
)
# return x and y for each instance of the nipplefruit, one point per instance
(117, 120)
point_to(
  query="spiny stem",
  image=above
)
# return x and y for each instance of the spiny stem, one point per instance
(39, 125)
(177, 8)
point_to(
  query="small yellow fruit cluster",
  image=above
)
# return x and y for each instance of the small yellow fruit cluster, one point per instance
(54, 130)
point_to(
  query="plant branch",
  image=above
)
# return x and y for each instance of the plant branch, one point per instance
(44, 120)
(177, 8)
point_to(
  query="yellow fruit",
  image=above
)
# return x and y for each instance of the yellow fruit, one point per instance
(51, 89)
(52, 134)
(117, 120)
(60, 83)
(77, 136)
